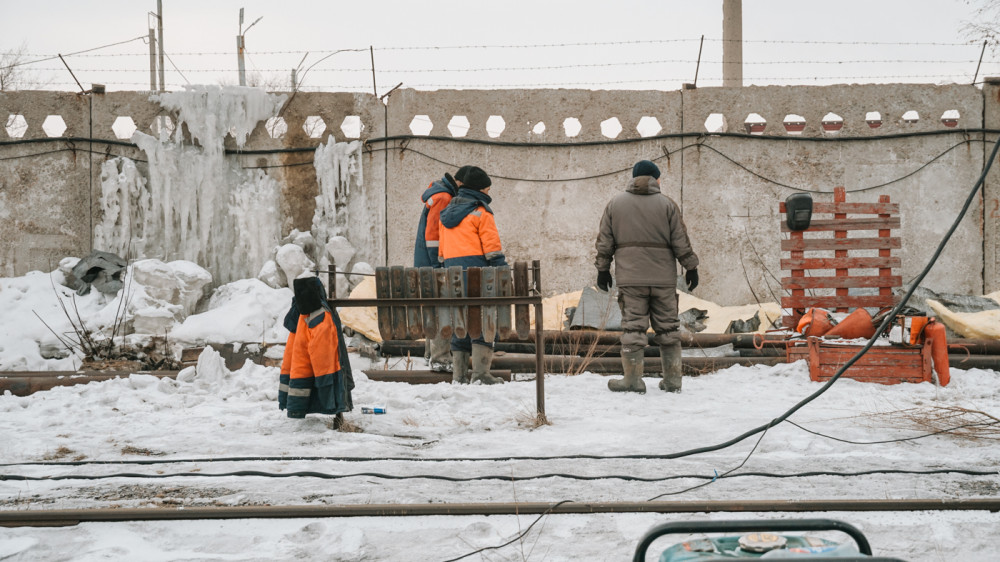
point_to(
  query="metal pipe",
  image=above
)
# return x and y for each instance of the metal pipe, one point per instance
(692, 366)
(536, 276)
(64, 517)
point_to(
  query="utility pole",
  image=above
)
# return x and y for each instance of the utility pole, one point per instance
(240, 45)
(732, 43)
(152, 60)
(159, 27)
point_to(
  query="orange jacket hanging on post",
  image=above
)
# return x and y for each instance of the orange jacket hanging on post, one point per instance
(315, 375)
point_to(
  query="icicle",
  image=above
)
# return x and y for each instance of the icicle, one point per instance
(200, 205)
(338, 168)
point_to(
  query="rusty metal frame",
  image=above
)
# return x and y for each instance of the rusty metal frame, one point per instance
(535, 300)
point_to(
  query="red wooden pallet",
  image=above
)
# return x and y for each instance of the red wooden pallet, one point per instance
(826, 254)
(882, 364)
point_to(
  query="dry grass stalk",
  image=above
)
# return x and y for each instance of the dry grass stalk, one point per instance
(962, 423)
(529, 418)
(346, 426)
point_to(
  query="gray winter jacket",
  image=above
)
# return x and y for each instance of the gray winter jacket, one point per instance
(643, 231)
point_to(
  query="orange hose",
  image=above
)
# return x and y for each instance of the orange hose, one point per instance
(935, 332)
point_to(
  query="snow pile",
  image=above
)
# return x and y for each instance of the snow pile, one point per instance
(242, 311)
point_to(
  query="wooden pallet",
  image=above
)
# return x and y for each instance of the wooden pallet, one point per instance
(811, 273)
(839, 254)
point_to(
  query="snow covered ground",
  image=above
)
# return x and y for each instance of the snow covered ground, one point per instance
(210, 412)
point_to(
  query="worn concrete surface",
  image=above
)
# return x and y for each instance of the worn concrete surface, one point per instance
(548, 197)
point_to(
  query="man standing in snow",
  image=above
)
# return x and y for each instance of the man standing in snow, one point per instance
(643, 231)
(470, 239)
(425, 251)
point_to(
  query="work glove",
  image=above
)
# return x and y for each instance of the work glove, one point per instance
(692, 278)
(604, 280)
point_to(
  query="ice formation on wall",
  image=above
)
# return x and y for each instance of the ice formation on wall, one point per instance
(124, 207)
(198, 204)
(338, 172)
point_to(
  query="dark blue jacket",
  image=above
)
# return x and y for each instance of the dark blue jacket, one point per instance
(425, 252)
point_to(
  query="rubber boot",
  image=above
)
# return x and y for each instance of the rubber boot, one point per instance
(482, 358)
(439, 354)
(632, 365)
(459, 367)
(670, 361)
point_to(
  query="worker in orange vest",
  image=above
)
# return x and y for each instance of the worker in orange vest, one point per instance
(470, 239)
(437, 351)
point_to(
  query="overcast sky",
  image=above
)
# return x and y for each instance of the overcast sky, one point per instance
(628, 44)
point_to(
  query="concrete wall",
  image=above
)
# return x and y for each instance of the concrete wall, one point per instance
(550, 189)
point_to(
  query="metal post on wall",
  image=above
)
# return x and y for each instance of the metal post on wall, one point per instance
(159, 42)
(152, 60)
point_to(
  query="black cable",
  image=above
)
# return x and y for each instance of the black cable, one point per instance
(716, 476)
(667, 155)
(792, 187)
(443, 459)
(520, 535)
(509, 478)
(696, 134)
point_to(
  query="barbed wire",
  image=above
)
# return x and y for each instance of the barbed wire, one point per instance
(532, 46)
(551, 67)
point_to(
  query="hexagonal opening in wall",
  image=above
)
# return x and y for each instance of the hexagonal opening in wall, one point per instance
(123, 127)
(715, 123)
(794, 124)
(421, 125)
(16, 126)
(352, 127)
(950, 118)
(276, 127)
(162, 126)
(539, 128)
(611, 128)
(572, 126)
(911, 116)
(754, 124)
(458, 126)
(648, 126)
(832, 123)
(54, 126)
(874, 119)
(314, 126)
(495, 126)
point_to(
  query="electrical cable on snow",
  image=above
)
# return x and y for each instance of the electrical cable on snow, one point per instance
(148, 462)
(490, 477)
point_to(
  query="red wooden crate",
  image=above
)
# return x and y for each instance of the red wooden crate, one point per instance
(882, 364)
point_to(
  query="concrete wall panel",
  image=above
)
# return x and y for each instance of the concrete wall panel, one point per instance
(550, 192)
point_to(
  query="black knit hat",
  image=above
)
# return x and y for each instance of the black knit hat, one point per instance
(645, 168)
(476, 178)
(460, 174)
